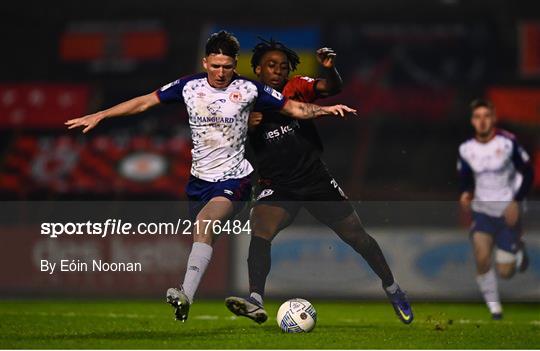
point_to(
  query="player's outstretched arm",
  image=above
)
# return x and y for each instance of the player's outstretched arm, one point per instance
(127, 108)
(332, 83)
(302, 110)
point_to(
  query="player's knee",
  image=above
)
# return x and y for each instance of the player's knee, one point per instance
(264, 232)
(506, 273)
(206, 217)
(483, 264)
(204, 226)
(483, 260)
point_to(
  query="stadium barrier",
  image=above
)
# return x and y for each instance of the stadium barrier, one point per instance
(430, 263)
(93, 248)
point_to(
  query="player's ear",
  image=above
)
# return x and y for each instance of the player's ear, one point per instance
(205, 63)
(258, 70)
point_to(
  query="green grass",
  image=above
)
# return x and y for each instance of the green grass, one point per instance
(349, 325)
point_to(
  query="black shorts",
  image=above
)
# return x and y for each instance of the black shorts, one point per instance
(321, 196)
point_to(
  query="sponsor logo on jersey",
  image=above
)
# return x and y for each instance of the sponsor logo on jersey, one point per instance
(227, 191)
(235, 97)
(265, 193)
(215, 106)
(282, 131)
(273, 92)
(214, 119)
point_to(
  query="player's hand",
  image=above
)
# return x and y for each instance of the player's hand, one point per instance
(326, 57)
(465, 201)
(511, 214)
(255, 118)
(338, 110)
(89, 122)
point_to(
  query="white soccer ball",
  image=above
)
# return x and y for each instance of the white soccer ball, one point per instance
(296, 316)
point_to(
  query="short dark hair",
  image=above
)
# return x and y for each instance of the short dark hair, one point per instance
(476, 103)
(271, 45)
(223, 43)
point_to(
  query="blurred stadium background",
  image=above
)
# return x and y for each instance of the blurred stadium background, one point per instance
(410, 68)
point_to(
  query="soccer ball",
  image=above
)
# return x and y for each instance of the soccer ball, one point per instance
(296, 316)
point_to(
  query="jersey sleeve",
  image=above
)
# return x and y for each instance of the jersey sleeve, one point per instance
(268, 99)
(172, 92)
(466, 176)
(522, 163)
(301, 88)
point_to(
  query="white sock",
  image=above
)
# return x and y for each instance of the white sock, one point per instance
(198, 260)
(257, 297)
(487, 283)
(392, 288)
(519, 259)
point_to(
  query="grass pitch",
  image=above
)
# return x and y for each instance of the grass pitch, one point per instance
(96, 324)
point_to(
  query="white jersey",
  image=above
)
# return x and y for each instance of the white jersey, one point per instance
(491, 167)
(219, 120)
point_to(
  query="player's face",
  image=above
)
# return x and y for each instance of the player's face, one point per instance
(273, 69)
(483, 121)
(220, 69)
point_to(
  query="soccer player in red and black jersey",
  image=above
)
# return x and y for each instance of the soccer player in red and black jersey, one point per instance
(292, 176)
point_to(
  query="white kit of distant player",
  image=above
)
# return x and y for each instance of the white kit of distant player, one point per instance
(495, 174)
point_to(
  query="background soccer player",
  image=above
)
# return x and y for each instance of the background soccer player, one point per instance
(495, 176)
(218, 103)
(292, 176)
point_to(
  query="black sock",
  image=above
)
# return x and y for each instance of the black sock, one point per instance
(259, 262)
(353, 233)
(372, 253)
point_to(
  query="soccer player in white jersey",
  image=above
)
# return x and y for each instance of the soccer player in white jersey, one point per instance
(218, 104)
(495, 174)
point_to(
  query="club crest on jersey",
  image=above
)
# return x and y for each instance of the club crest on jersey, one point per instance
(273, 92)
(235, 97)
(265, 193)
